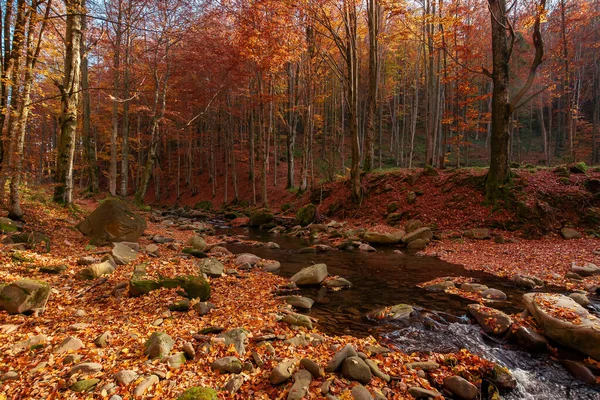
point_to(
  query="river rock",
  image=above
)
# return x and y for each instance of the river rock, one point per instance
(306, 215)
(299, 389)
(123, 254)
(581, 299)
(422, 365)
(493, 294)
(269, 265)
(219, 250)
(587, 269)
(204, 307)
(412, 225)
(355, 369)
(397, 312)
(10, 376)
(102, 339)
(24, 296)
(69, 344)
(565, 321)
(211, 267)
(176, 360)
(234, 384)
(418, 244)
(86, 368)
(478, 233)
(237, 337)
(421, 393)
(313, 275)
(282, 372)
(367, 248)
(339, 357)
(530, 340)
(125, 377)
(579, 371)
(300, 302)
(312, 367)
(337, 282)
(97, 270)
(359, 392)
(473, 287)
(439, 287)
(144, 385)
(112, 221)
(460, 387)
(491, 320)
(196, 242)
(569, 233)
(376, 371)
(421, 233)
(227, 365)
(84, 385)
(384, 238)
(158, 345)
(298, 319)
(34, 341)
(246, 258)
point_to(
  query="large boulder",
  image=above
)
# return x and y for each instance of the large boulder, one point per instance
(24, 296)
(261, 217)
(112, 221)
(565, 321)
(421, 233)
(384, 238)
(306, 215)
(313, 275)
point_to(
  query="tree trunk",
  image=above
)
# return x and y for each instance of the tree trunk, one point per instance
(112, 173)
(373, 18)
(63, 192)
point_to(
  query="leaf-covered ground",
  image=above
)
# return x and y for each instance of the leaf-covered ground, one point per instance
(86, 309)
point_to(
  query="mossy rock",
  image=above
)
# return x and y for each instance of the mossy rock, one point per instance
(306, 215)
(199, 393)
(579, 168)
(230, 215)
(430, 171)
(194, 252)
(261, 217)
(203, 205)
(193, 286)
(140, 287)
(53, 269)
(196, 287)
(84, 385)
(286, 207)
(7, 225)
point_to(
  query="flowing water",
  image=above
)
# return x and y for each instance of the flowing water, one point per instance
(385, 278)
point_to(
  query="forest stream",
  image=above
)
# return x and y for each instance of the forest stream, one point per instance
(441, 323)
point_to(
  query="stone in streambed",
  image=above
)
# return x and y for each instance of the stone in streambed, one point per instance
(460, 388)
(313, 275)
(300, 302)
(579, 371)
(491, 320)
(355, 369)
(298, 319)
(339, 357)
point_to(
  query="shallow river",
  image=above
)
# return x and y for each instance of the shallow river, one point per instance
(385, 278)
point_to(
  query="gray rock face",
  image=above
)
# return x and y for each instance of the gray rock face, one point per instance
(112, 221)
(158, 345)
(24, 296)
(580, 332)
(491, 320)
(460, 387)
(313, 275)
(299, 389)
(282, 372)
(384, 238)
(211, 267)
(123, 254)
(355, 369)
(227, 365)
(339, 357)
(300, 302)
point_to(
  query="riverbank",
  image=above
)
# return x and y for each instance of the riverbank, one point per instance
(92, 335)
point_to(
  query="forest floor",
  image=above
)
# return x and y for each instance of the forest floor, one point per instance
(85, 309)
